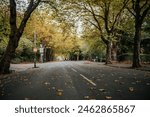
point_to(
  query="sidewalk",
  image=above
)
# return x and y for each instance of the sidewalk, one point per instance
(22, 67)
(128, 66)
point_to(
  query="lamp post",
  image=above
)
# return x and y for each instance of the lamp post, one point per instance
(35, 49)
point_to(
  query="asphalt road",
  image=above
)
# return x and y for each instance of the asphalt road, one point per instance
(71, 80)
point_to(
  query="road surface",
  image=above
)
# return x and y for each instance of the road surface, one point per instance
(75, 80)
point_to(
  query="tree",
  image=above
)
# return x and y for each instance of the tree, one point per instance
(139, 9)
(15, 32)
(105, 16)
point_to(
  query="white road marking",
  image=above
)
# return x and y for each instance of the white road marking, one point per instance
(90, 81)
(74, 70)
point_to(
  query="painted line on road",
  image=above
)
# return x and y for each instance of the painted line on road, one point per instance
(90, 81)
(74, 70)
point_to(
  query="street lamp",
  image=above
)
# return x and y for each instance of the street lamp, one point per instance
(35, 49)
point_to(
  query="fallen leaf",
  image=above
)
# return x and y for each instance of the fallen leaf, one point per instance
(59, 92)
(116, 80)
(102, 90)
(47, 83)
(86, 97)
(93, 88)
(108, 97)
(131, 89)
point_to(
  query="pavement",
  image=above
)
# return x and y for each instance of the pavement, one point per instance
(74, 80)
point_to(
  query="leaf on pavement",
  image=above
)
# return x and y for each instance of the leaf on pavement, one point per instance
(116, 80)
(87, 97)
(47, 83)
(131, 89)
(93, 88)
(27, 98)
(102, 90)
(59, 92)
(108, 97)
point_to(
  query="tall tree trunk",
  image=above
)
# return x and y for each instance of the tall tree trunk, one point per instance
(6, 59)
(108, 53)
(15, 33)
(136, 51)
(114, 51)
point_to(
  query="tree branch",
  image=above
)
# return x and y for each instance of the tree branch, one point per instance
(32, 6)
(143, 6)
(131, 11)
(145, 13)
(13, 15)
(118, 14)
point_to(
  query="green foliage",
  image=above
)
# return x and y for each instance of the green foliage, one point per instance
(24, 51)
(129, 57)
(92, 46)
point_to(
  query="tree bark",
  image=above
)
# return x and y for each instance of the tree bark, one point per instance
(6, 59)
(108, 53)
(15, 33)
(114, 52)
(136, 51)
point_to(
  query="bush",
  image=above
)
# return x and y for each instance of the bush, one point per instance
(145, 58)
(129, 57)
